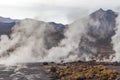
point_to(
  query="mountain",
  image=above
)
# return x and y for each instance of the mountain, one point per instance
(57, 25)
(6, 20)
(5, 25)
(101, 27)
(106, 23)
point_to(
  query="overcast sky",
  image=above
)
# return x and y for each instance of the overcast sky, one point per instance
(63, 11)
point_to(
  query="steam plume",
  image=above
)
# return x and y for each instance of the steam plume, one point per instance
(27, 42)
(35, 41)
(116, 40)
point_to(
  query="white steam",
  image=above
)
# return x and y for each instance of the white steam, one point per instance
(116, 40)
(28, 42)
(69, 46)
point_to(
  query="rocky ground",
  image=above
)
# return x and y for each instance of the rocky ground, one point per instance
(65, 71)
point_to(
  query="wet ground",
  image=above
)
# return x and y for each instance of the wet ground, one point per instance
(33, 71)
(23, 72)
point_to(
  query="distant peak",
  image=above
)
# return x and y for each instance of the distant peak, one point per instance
(101, 10)
(103, 14)
(6, 20)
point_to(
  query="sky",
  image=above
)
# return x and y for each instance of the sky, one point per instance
(60, 11)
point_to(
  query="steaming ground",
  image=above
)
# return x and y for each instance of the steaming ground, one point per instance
(37, 41)
(28, 43)
(31, 41)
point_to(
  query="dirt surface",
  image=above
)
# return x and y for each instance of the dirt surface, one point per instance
(37, 71)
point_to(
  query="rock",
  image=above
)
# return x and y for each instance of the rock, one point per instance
(45, 63)
(53, 69)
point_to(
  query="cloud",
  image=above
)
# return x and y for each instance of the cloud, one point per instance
(53, 10)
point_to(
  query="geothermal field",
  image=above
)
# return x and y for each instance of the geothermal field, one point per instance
(86, 49)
